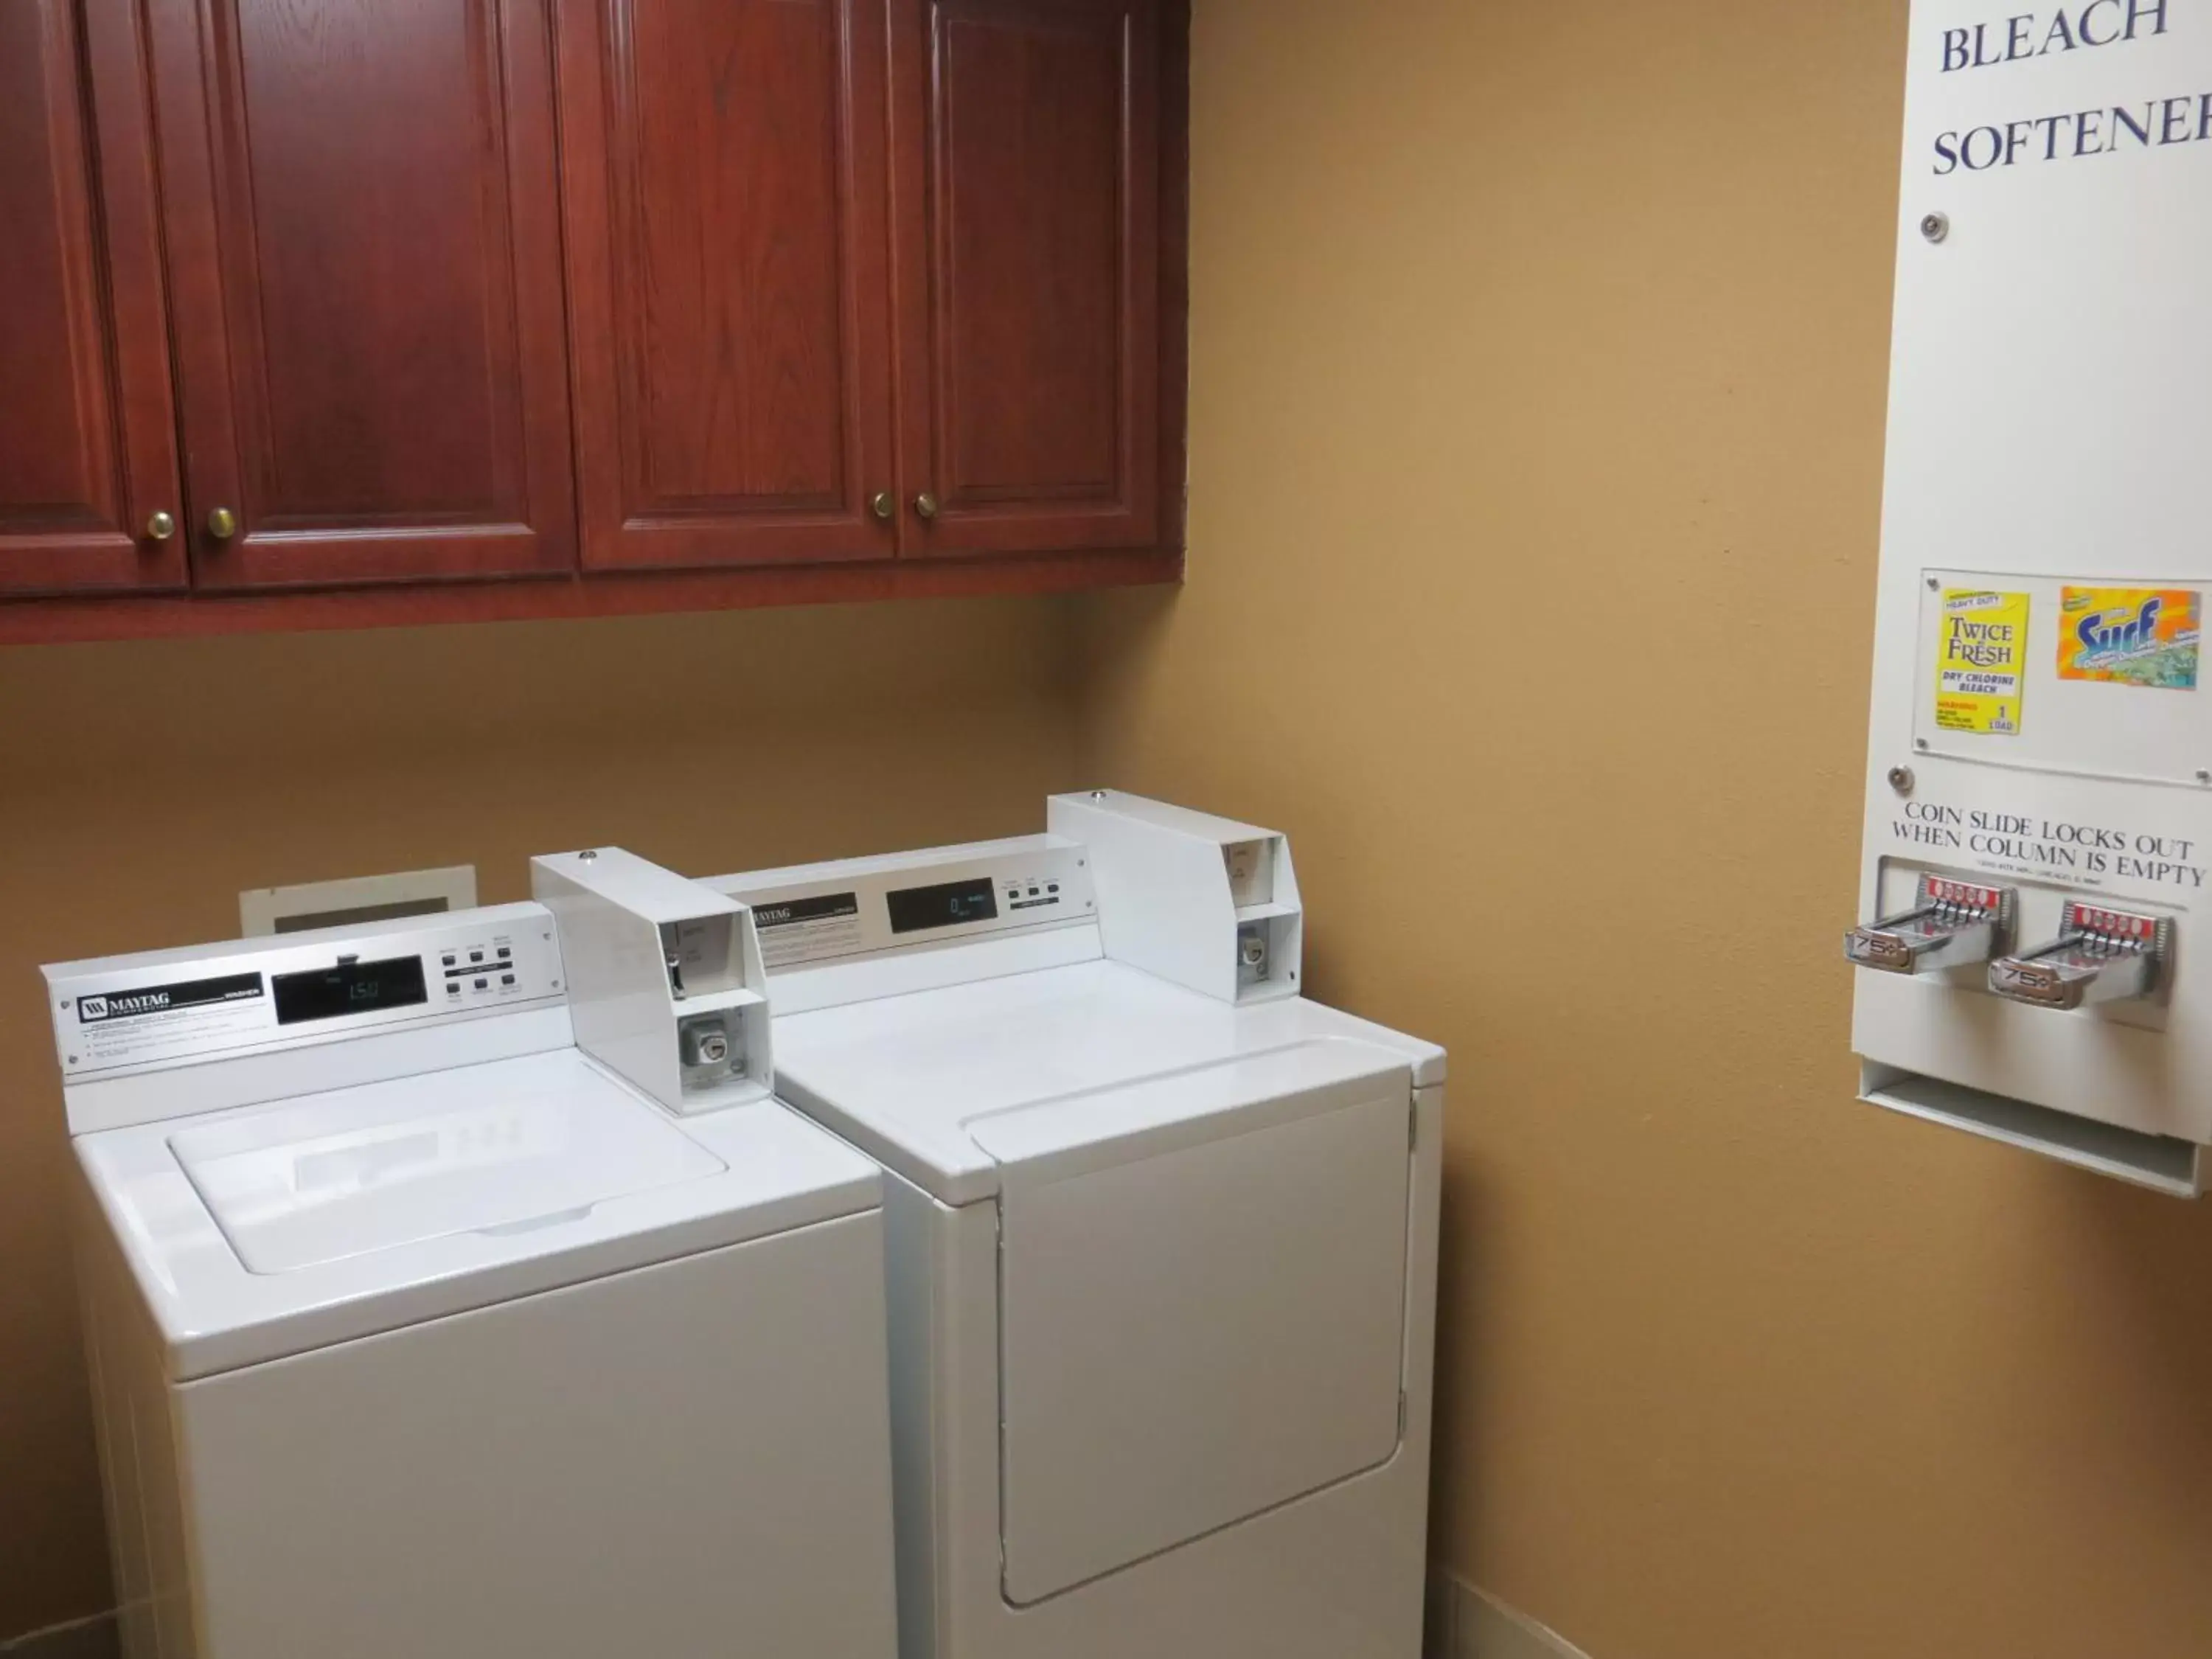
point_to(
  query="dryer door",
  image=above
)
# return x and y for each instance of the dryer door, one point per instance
(1202, 1302)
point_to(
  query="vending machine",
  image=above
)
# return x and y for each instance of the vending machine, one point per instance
(2033, 956)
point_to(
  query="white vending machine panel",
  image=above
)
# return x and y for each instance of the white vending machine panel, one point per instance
(2039, 774)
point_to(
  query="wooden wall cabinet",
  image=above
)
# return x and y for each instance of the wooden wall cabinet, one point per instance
(1029, 141)
(728, 203)
(87, 433)
(527, 307)
(365, 266)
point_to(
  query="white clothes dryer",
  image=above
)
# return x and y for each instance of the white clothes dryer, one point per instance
(1162, 1235)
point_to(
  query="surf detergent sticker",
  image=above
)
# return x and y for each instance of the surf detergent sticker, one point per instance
(2130, 636)
(1984, 666)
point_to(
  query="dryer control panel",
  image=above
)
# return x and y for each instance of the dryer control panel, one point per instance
(808, 917)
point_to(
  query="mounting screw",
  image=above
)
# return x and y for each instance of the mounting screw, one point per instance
(1900, 779)
(1936, 227)
(1920, 742)
(1934, 584)
(72, 1060)
(588, 857)
(65, 1001)
(2203, 776)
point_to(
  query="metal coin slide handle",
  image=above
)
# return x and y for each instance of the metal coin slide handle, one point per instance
(1951, 924)
(2100, 956)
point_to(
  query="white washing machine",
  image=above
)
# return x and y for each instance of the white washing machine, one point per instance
(416, 1331)
(1163, 1238)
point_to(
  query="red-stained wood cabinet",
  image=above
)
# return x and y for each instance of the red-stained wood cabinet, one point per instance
(361, 201)
(335, 312)
(1027, 134)
(89, 496)
(728, 204)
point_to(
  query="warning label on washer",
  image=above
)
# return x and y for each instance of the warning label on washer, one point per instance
(808, 929)
(1982, 670)
(130, 1025)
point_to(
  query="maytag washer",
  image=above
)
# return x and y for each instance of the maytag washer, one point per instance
(417, 1330)
(1163, 1238)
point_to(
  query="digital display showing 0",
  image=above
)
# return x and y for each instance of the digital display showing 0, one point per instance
(916, 908)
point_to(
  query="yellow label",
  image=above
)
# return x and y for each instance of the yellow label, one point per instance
(1982, 662)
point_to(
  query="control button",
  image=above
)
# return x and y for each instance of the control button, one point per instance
(449, 958)
(1051, 887)
(507, 979)
(475, 956)
(453, 987)
(504, 951)
(1033, 892)
(484, 985)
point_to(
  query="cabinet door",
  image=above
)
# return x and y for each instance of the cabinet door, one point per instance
(364, 253)
(726, 192)
(1027, 134)
(88, 435)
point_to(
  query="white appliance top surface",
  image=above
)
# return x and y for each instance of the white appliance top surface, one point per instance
(370, 1169)
(945, 1085)
(272, 1230)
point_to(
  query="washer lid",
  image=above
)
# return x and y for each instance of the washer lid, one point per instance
(338, 1176)
(261, 1232)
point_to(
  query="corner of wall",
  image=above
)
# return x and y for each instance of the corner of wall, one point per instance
(1464, 1623)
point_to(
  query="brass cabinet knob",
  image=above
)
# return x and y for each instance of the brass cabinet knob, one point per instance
(223, 523)
(161, 527)
(926, 505)
(882, 504)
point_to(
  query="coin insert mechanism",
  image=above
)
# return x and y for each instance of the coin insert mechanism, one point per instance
(1951, 924)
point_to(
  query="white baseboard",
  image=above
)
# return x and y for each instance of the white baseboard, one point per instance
(84, 1638)
(1466, 1623)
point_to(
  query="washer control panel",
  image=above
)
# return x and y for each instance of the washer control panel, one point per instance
(178, 1007)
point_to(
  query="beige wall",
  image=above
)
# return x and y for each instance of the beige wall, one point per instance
(142, 785)
(1538, 375)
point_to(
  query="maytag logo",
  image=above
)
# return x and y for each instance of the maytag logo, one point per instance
(117, 1007)
(167, 998)
(828, 907)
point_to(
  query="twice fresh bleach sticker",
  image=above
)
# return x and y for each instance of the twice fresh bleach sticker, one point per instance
(2130, 636)
(1983, 669)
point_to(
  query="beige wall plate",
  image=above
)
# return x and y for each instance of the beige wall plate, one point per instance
(265, 910)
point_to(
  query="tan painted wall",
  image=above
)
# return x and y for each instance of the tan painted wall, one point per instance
(141, 786)
(1539, 354)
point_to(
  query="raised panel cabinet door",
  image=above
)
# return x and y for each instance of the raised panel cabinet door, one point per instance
(727, 189)
(1028, 141)
(364, 251)
(88, 434)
